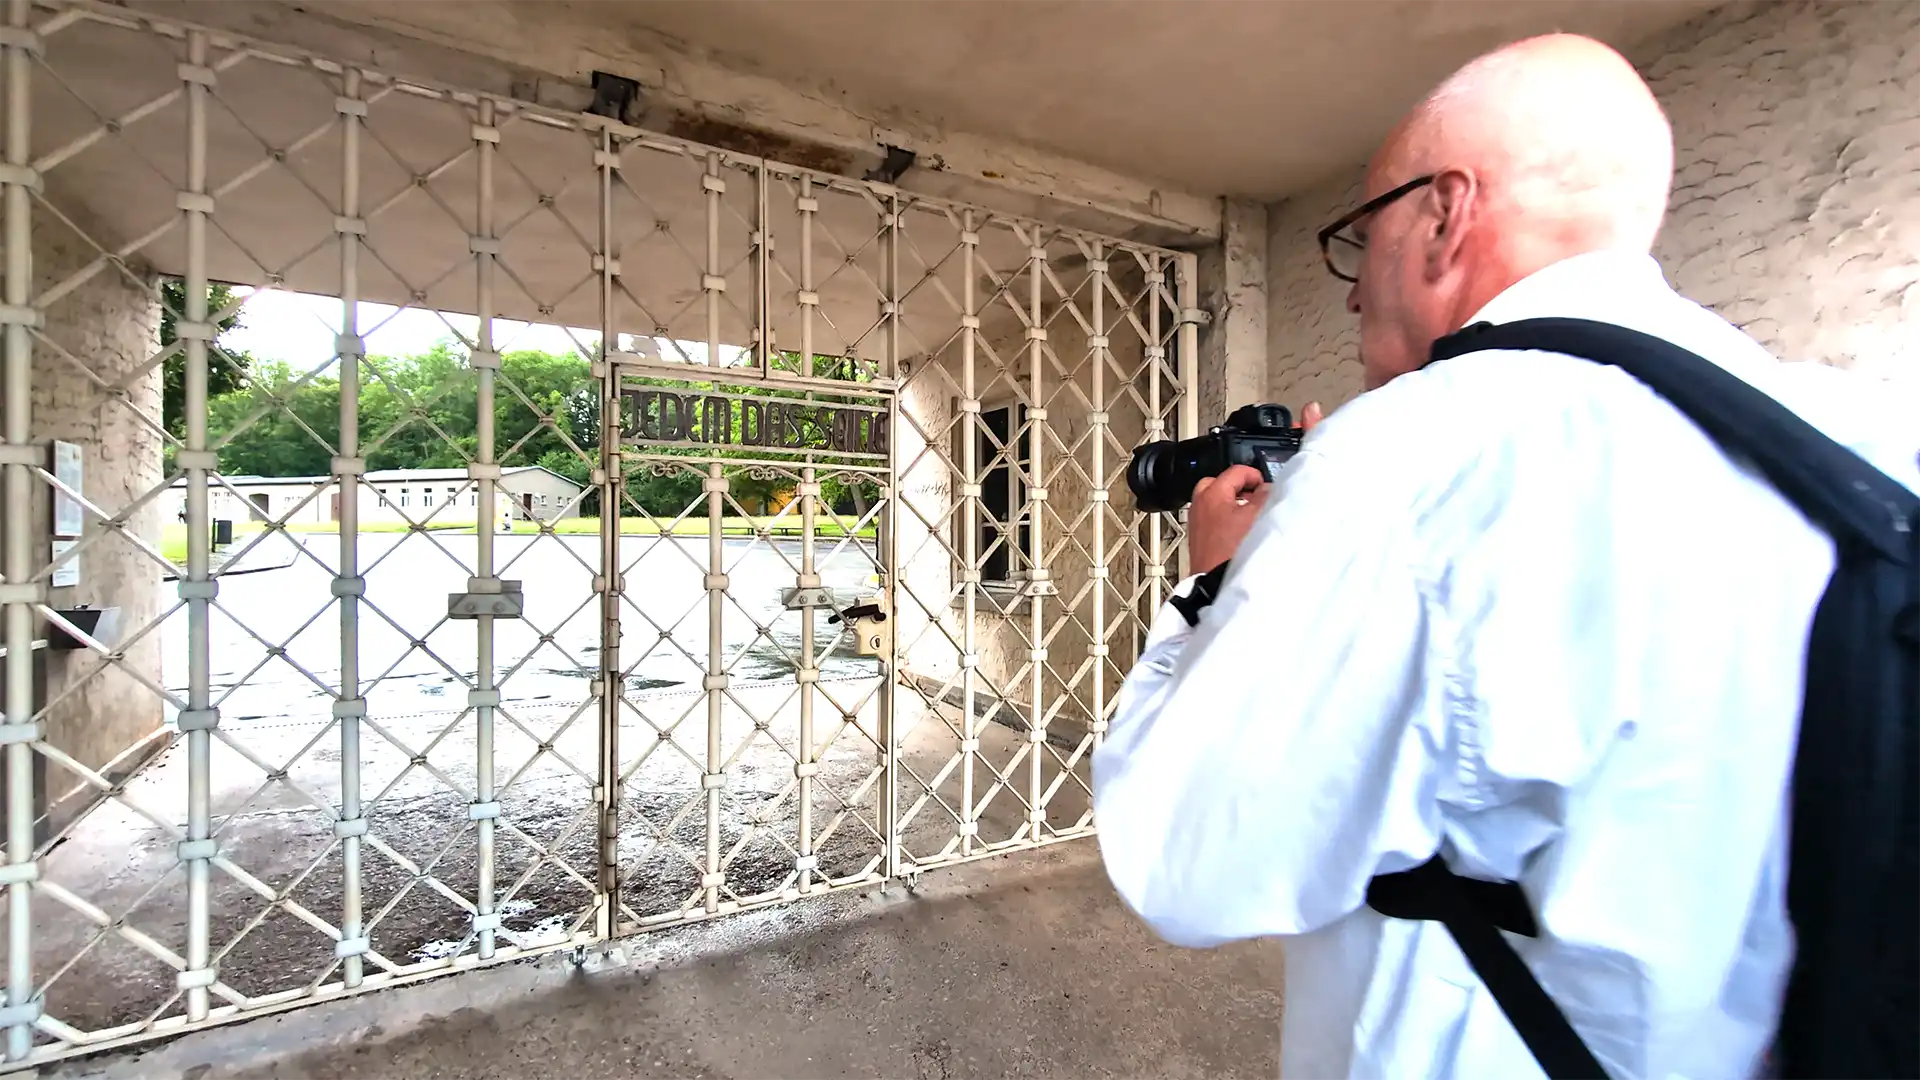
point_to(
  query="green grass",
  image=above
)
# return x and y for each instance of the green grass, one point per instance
(173, 539)
(732, 526)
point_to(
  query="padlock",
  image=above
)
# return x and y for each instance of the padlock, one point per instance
(872, 633)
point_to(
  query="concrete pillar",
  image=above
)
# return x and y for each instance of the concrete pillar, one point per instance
(87, 390)
(1233, 290)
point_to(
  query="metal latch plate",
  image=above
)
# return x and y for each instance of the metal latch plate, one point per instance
(508, 603)
(796, 599)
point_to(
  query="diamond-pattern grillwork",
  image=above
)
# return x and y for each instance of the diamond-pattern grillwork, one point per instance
(1015, 677)
(348, 777)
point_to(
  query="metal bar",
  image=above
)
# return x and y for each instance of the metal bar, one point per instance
(808, 206)
(349, 349)
(889, 521)
(970, 541)
(19, 527)
(1189, 346)
(894, 300)
(1039, 586)
(1100, 492)
(1156, 426)
(714, 283)
(612, 683)
(484, 246)
(808, 674)
(716, 486)
(1189, 367)
(196, 204)
(762, 275)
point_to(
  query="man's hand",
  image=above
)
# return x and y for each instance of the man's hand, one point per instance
(1223, 512)
(1226, 506)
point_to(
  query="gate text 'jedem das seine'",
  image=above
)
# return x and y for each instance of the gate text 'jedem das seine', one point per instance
(770, 423)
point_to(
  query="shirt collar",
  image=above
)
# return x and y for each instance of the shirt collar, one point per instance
(1573, 284)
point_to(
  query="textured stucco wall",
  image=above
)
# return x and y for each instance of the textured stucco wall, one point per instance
(1796, 203)
(88, 390)
(1233, 292)
(1313, 344)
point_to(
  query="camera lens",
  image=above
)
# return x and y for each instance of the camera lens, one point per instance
(1142, 471)
(1162, 475)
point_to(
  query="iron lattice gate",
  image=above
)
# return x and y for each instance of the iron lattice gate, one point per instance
(557, 461)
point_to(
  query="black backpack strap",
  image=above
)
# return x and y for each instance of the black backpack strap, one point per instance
(1206, 589)
(1475, 912)
(1836, 488)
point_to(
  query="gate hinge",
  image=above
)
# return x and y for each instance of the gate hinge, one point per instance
(609, 848)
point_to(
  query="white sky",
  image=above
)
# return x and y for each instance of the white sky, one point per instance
(299, 328)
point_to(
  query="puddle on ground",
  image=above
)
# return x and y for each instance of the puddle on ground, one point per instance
(542, 931)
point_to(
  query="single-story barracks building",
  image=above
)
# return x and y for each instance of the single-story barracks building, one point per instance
(388, 497)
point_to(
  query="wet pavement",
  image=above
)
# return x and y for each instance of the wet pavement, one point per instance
(276, 770)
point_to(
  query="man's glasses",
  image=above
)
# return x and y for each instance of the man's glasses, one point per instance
(1341, 247)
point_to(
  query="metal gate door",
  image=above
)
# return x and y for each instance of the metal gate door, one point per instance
(441, 530)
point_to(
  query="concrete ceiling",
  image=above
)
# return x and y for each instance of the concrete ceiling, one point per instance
(1251, 98)
(275, 159)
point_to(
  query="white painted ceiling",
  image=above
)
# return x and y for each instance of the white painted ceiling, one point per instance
(1253, 98)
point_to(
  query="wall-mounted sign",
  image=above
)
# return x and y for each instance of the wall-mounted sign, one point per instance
(68, 519)
(770, 423)
(67, 574)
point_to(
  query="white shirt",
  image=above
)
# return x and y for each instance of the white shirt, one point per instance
(1516, 609)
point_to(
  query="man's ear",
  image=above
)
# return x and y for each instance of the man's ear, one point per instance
(1452, 200)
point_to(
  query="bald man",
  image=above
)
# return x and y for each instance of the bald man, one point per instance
(1512, 609)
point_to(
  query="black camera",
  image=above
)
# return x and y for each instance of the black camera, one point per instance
(1163, 474)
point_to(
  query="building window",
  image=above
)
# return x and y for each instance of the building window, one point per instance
(540, 499)
(473, 499)
(403, 497)
(1005, 541)
(426, 496)
(382, 492)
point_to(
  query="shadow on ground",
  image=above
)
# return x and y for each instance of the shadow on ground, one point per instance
(1027, 966)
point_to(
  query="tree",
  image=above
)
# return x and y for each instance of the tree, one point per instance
(224, 375)
(849, 497)
(277, 442)
(419, 412)
(415, 412)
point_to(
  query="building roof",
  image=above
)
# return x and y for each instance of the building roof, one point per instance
(380, 476)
